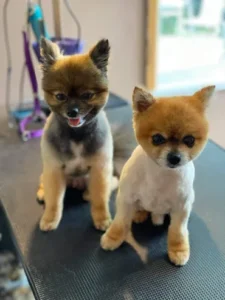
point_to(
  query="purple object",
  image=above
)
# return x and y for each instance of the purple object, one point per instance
(37, 112)
(68, 46)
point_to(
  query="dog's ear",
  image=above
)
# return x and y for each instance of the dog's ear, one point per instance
(50, 52)
(100, 54)
(203, 96)
(142, 100)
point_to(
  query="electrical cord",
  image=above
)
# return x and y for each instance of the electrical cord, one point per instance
(43, 16)
(66, 2)
(22, 74)
(21, 86)
(9, 63)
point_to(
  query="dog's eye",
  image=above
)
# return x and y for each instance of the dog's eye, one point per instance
(158, 139)
(86, 96)
(189, 141)
(61, 97)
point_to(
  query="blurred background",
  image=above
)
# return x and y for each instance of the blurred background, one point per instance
(122, 22)
(191, 43)
(164, 44)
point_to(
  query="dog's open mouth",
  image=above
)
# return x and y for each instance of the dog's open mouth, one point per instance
(79, 121)
(76, 122)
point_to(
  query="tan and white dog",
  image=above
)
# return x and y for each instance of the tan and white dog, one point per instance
(159, 175)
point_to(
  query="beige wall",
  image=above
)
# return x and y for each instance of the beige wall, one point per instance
(121, 21)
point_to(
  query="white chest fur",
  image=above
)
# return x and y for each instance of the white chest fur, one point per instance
(154, 188)
(78, 165)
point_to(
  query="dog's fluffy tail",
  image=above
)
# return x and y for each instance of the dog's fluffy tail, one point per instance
(124, 144)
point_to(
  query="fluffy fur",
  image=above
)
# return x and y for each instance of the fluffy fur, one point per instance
(158, 177)
(77, 145)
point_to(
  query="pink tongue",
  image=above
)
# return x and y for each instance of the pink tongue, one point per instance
(74, 122)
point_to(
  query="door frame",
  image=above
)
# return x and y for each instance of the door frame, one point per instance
(152, 44)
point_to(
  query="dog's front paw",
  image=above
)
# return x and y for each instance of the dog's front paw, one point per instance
(140, 216)
(109, 243)
(48, 224)
(101, 218)
(114, 236)
(178, 249)
(102, 223)
(179, 257)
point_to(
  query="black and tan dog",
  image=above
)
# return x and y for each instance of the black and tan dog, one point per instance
(77, 146)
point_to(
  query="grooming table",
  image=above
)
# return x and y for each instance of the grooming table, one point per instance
(68, 264)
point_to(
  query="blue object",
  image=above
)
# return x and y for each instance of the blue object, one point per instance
(67, 45)
(37, 22)
(21, 114)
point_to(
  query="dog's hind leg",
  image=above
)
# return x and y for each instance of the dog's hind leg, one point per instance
(114, 186)
(114, 183)
(40, 191)
(157, 219)
(140, 216)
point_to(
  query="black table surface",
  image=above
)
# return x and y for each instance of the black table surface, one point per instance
(69, 263)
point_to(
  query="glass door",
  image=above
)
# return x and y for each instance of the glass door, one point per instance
(187, 42)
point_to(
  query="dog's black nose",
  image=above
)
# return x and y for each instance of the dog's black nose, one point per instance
(173, 158)
(73, 113)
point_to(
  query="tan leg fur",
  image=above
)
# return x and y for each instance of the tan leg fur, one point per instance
(54, 183)
(178, 238)
(120, 228)
(99, 188)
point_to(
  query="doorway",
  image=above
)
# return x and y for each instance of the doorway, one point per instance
(186, 44)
